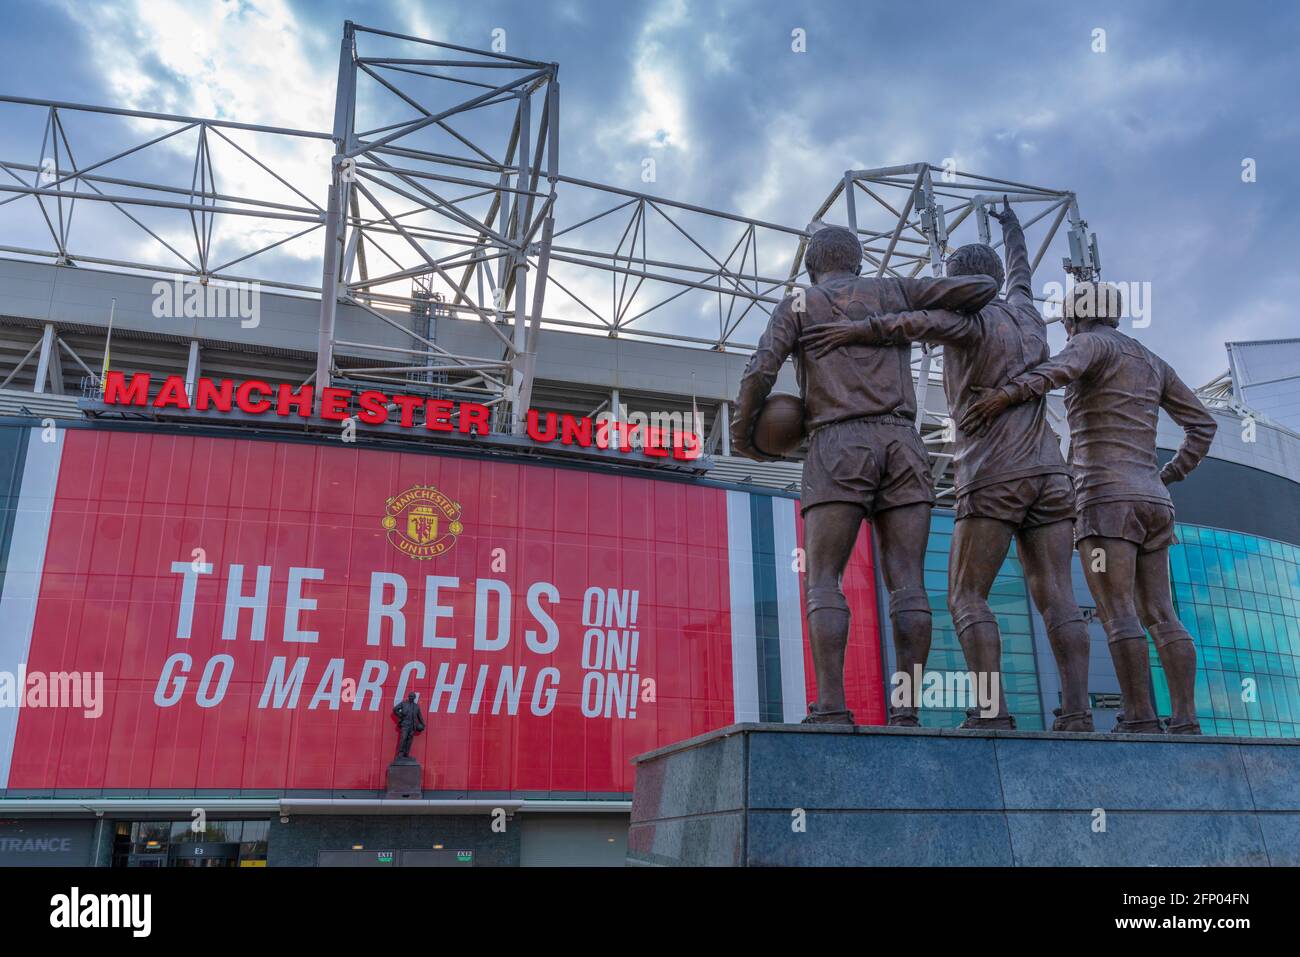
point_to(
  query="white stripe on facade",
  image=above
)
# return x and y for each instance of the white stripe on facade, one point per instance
(22, 580)
(744, 654)
(789, 611)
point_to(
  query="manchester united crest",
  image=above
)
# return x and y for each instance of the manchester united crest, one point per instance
(422, 522)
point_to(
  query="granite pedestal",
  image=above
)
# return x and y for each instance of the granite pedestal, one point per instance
(404, 778)
(775, 794)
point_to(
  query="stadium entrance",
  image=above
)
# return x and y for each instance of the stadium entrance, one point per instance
(177, 844)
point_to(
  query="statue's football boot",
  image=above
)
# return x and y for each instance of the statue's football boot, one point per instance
(1002, 722)
(903, 718)
(816, 716)
(1074, 721)
(1124, 726)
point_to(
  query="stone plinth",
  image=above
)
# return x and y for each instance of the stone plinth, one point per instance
(404, 779)
(774, 794)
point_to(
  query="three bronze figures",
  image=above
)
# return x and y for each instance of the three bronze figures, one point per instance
(852, 338)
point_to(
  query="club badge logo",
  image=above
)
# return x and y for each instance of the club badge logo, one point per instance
(422, 522)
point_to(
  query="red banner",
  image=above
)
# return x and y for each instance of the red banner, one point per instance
(257, 607)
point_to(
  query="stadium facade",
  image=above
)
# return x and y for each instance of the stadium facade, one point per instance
(206, 615)
(223, 572)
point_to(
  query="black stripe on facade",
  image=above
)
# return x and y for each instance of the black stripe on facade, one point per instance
(1239, 498)
(13, 459)
(767, 621)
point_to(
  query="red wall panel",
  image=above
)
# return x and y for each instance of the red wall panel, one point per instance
(864, 683)
(129, 505)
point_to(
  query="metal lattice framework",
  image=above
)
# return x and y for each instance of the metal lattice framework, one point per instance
(1221, 394)
(58, 183)
(446, 199)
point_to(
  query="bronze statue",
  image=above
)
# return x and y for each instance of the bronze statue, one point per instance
(865, 459)
(1011, 480)
(1125, 524)
(410, 722)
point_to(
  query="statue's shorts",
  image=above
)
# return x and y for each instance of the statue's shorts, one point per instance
(1023, 502)
(877, 462)
(1149, 525)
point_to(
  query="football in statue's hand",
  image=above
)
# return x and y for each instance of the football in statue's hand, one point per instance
(779, 428)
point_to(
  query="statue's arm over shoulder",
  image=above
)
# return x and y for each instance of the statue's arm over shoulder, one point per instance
(957, 293)
(1198, 426)
(775, 346)
(940, 326)
(1080, 355)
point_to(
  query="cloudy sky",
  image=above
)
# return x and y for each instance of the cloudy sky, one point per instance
(1151, 133)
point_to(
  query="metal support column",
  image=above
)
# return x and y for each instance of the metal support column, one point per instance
(46, 359)
(192, 370)
(335, 228)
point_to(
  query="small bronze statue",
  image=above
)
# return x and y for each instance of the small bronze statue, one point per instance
(410, 722)
(1125, 525)
(1011, 479)
(865, 458)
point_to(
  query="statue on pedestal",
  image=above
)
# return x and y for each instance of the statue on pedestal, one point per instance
(410, 722)
(1011, 479)
(1115, 388)
(405, 776)
(865, 458)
